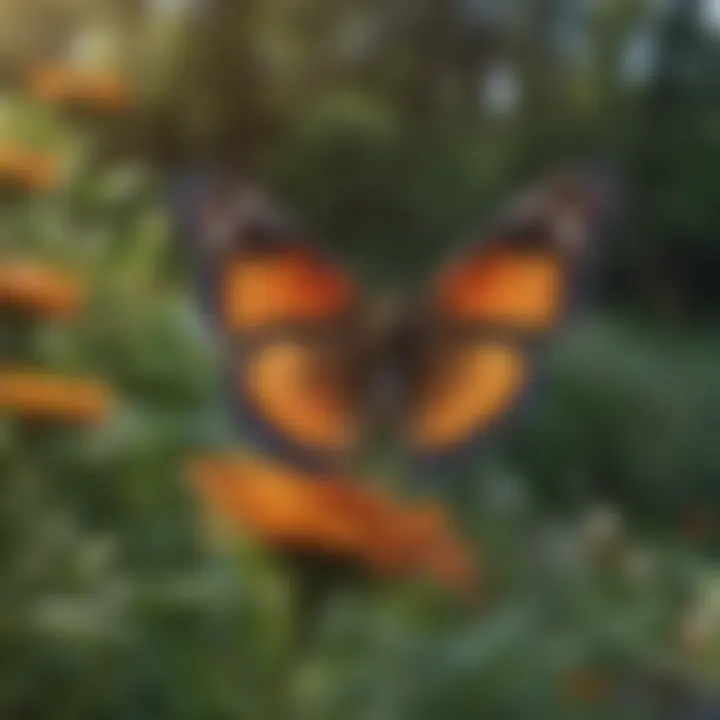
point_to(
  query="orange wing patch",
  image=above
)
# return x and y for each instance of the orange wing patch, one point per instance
(288, 314)
(488, 309)
(267, 289)
(522, 290)
(292, 386)
(467, 390)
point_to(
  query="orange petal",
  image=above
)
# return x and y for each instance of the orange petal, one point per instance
(40, 172)
(38, 289)
(276, 504)
(49, 397)
(334, 516)
(103, 92)
(106, 93)
(51, 83)
(25, 168)
(431, 548)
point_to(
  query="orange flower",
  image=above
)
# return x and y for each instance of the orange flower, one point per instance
(39, 290)
(99, 91)
(279, 506)
(334, 516)
(440, 554)
(36, 395)
(26, 169)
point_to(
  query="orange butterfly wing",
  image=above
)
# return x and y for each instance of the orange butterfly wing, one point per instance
(286, 312)
(282, 285)
(292, 319)
(490, 310)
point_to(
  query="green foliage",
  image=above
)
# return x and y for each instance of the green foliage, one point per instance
(117, 602)
(627, 413)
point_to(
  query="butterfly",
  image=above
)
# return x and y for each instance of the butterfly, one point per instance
(316, 369)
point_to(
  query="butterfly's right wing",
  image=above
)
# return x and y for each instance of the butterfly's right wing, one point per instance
(492, 311)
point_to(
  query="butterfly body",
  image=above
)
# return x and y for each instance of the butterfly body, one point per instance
(318, 370)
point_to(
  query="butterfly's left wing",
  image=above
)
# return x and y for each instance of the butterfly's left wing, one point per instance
(286, 313)
(490, 312)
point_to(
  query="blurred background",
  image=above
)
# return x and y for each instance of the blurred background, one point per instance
(391, 128)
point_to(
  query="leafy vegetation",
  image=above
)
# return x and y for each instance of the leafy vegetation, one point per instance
(595, 520)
